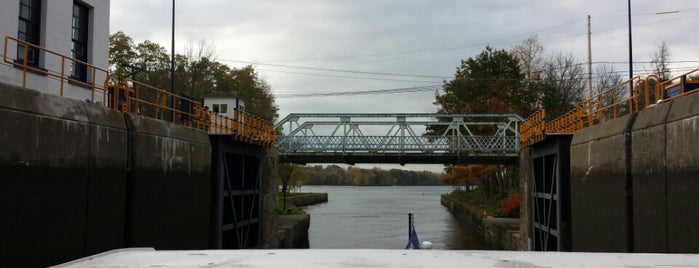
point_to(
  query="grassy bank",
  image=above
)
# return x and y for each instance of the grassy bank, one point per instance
(477, 201)
(290, 209)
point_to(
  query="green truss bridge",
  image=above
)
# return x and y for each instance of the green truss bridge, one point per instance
(402, 138)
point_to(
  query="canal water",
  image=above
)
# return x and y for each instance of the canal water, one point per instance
(377, 218)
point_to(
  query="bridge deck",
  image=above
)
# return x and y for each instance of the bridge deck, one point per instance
(374, 158)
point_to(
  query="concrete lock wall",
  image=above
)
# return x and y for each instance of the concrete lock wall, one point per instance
(77, 179)
(598, 180)
(649, 180)
(62, 178)
(169, 188)
(682, 167)
(270, 190)
(638, 194)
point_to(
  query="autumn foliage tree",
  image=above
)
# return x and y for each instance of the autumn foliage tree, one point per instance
(490, 83)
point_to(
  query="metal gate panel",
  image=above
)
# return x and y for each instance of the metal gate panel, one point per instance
(237, 195)
(551, 194)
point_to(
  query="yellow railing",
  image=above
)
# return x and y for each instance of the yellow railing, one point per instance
(134, 97)
(54, 57)
(620, 100)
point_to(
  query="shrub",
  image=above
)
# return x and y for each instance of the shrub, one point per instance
(510, 205)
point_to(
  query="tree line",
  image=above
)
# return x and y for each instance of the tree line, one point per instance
(197, 73)
(291, 174)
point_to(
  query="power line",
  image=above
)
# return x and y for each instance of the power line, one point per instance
(430, 87)
(349, 77)
(335, 70)
(360, 92)
(504, 40)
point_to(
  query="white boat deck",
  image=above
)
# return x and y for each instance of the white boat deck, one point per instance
(328, 258)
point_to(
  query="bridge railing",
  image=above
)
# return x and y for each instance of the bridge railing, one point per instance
(392, 145)
(625, 98)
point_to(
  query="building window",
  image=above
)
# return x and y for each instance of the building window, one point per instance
(29, 30)
(219, 108)
(79, 38)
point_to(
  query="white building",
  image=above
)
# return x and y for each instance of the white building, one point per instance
(74, 29)
(224, 103)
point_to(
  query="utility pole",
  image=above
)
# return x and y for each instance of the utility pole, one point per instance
(630, 46)
(172, 64)
(589, 58)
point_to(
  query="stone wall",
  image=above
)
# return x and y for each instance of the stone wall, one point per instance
(293, 231)
(502, 233)
(499, 233)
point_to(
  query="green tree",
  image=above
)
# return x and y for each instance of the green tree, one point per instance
(152, 66)
(197, 73)
(121, 54)
(289, 174)
(492, 82)
(489, 83)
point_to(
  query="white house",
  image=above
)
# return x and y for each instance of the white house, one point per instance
(223, 103)
(71, 28)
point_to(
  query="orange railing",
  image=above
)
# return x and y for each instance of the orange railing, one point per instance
(53, 58)
(532, 130)
(614, 102)
(134, 97)
(620, 100)
(679, 86)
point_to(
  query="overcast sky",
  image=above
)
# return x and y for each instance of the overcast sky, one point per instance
(316, 46)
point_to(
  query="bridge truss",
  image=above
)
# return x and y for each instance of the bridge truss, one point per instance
(402, 138)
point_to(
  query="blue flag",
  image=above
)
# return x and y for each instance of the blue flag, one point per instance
(413, 240)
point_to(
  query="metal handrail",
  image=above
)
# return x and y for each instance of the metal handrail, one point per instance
(610, 104)
(161, 104)
(680, 82)
(130, 96)
(61, 75)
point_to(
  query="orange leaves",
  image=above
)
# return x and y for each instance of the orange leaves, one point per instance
(509, 206)
(467, 174)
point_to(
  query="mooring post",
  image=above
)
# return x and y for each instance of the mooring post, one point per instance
(410, 226)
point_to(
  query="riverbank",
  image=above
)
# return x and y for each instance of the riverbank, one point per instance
(499, 233)
(292, 229)
(306, 199)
